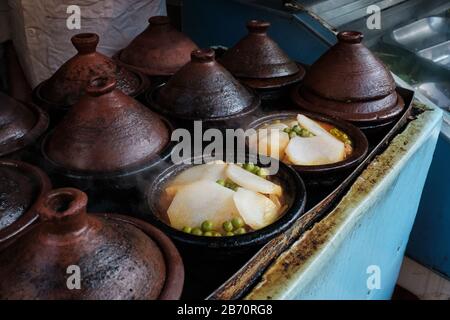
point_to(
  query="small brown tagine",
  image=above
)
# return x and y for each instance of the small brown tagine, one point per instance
(204, 90)
(258, 62)
(21, 187)
(349, 82)
(71, 254)
(107, 140)
(160, 50)
(68, 83)
(20, 126)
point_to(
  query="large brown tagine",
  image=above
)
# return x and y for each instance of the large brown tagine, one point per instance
(69, 82)
(107, 140)
(71, 254)
(259, 62)
(160, 50)
(203, 90)
(20, 125)
(349, 82)
(21, 187)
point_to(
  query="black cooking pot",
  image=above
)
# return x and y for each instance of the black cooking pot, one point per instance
(327, 174)
(219, 247)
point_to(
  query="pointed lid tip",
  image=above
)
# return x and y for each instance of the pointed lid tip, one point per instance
(101, 85)
(350, 36)
(203, 55)
(159, 20)
(258, 26)
(62, 203)
(85, 42)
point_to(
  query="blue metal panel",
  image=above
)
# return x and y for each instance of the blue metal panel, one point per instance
(222, 22)
(430, 239)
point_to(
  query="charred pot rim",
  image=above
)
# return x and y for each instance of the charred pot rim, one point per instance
(173, 284)
(41, 125)
(125, 174)
(296, 197)
(43, 184)
(51, 106)
(151, 99)
(359, 142)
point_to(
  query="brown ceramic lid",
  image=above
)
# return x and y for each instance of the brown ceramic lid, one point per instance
(106, 131)
(21, 186)
(116, 260)
(348, 71)
(160, 50)
(68, 83)
(258, 56)
(383, 109)
(204, 89)
(20, 124)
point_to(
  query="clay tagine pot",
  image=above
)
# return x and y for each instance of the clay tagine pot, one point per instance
(160, 50)
(116, 257)
(20, 125)
(68, 83)
(349, 82)
(107, 140)
(21, 187)
(204, 90)
(259, 62)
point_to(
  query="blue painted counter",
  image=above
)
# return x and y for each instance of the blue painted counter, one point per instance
(430, 239)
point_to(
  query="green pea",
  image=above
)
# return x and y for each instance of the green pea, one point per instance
(237, 223)
(229, 234)
(221, 182)
(263, 173)
(208, 234)
(256, 170)
(249, 167)
(292, 134)
(187, 229)
(287, 130)
(228, 226)
(217, 234)
(197, 232)
(240, 231)
(297, 129)
(207, 225)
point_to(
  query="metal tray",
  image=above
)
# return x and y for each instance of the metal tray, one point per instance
(439, 54)
(421, 34)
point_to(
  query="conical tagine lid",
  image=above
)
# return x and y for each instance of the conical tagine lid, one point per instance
(349, 72)
(108, 259)
(106, 131)
(20, 124)
(203, 89)
(160, 50)
(68, 83)
(258, 56)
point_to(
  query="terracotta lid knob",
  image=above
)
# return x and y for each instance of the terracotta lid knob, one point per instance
(258, 26)
(101, 85)
(63, 211)
(350, 36)
(203, 55)
(159, 20)
(85, 42)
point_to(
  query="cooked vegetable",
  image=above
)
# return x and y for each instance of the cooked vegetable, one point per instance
(208, 234)
(228, 226)
(240, 231)
(256, 210)
(314, 151)
(207, 225)
(237, 223)
(251, 181)
(197, 232)
(187, 229)
(190, 206)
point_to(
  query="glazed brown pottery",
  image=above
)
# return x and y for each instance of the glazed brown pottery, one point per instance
(349, 82)
(203, 90)
(160, 50)
(349, 71)
(259, 62)
(20, 124)
(116, 258)
(21, 187)
(106, 131)
(68, 83)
